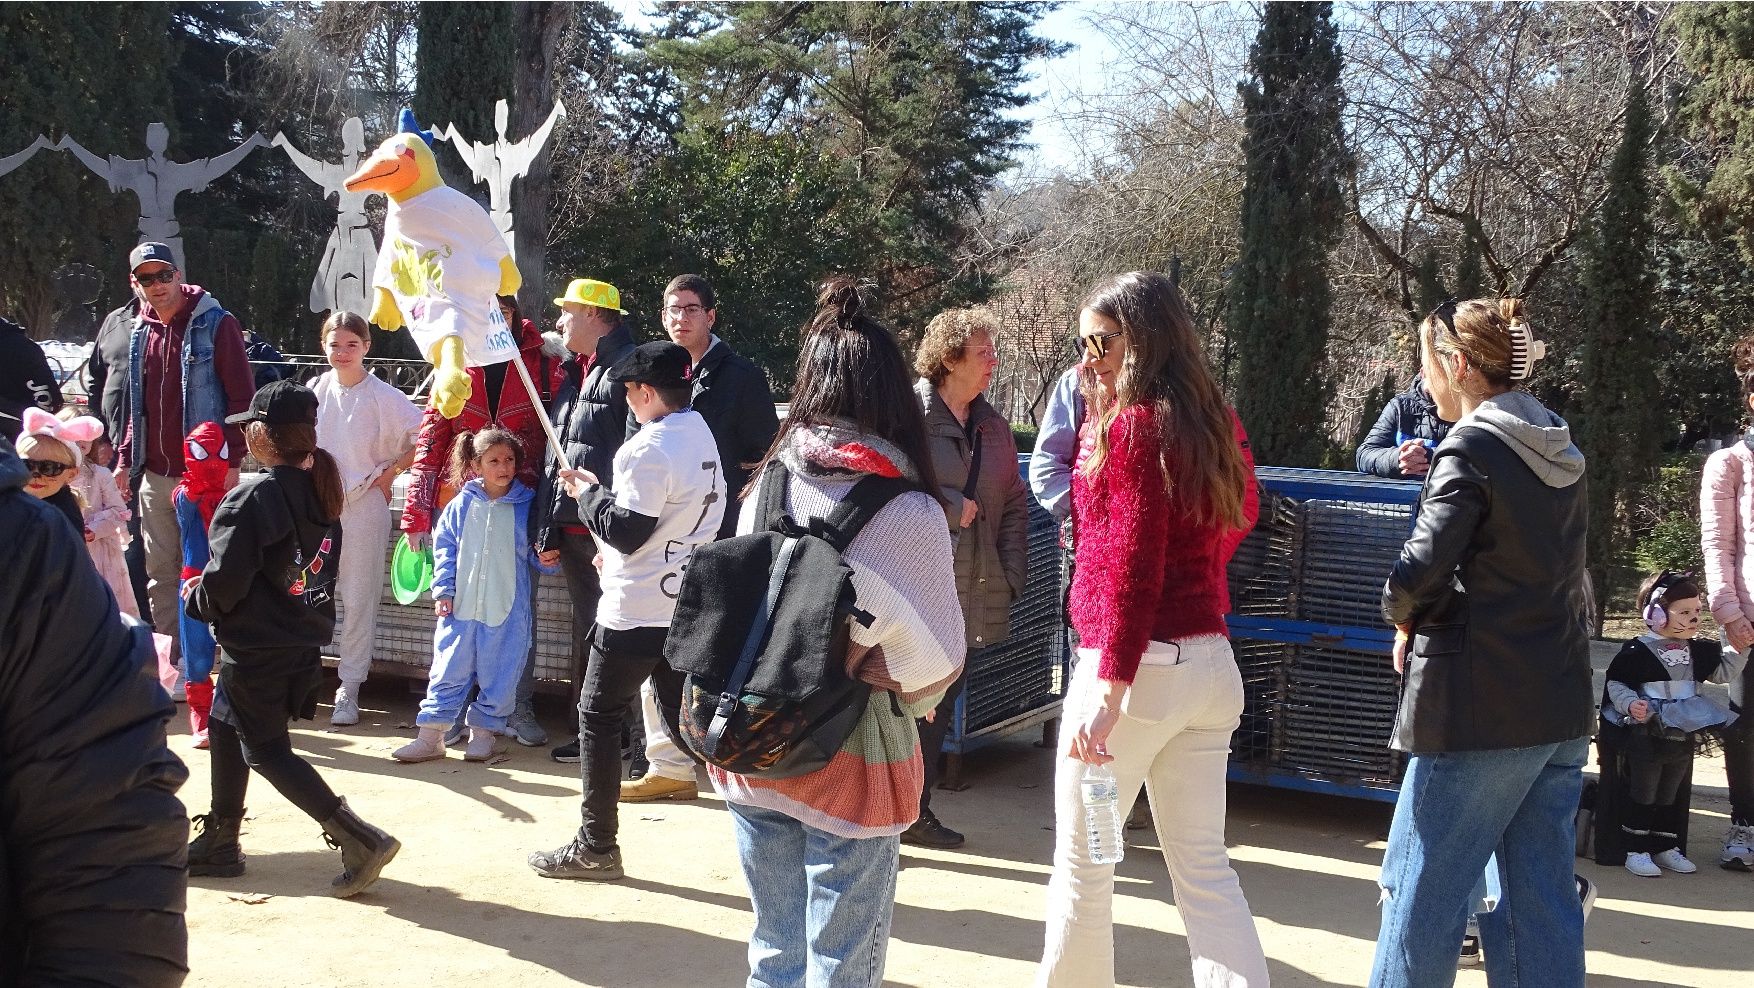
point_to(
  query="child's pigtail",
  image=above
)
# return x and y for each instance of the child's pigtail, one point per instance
(462, 465)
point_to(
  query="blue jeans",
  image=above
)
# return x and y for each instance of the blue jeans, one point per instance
(822, 903)
(1455, 810)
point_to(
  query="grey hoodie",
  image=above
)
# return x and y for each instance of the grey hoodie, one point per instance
(1539, 437)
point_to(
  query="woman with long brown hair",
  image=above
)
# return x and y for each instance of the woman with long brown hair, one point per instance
(821, 850)
(1163, 491)
(269, 592)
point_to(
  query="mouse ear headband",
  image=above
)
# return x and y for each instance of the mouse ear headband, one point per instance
(70, 433)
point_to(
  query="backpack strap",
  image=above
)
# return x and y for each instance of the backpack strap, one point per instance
(770, 501)
(861, 504)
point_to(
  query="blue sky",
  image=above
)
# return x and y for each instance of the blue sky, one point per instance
(1080, 70)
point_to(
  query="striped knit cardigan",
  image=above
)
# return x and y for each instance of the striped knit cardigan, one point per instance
(903, 575)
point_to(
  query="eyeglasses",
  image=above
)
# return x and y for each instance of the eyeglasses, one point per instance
(1096, 345)
(984, 352)
(164, 277)
(46, 468)
(678, 311)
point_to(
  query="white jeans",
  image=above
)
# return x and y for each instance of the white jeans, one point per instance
(665, 759)
(1174, 738)
(365, 537)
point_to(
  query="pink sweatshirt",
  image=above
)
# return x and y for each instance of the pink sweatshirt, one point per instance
(1726, 530)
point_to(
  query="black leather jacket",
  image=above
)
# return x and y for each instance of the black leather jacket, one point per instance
(592, 420)
(92, 883)
(732, 394)
(1492, 581)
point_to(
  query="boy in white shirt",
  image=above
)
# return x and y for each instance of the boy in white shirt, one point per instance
(666, 497)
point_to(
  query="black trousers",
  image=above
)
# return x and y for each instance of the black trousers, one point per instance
(932, 736)
(620, 661)
(232, 757)
(1739, 768)
(585, 586)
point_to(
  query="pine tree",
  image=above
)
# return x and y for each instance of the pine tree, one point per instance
(1716, 42)
(1429, 292)
(1291, 210)
(1470, 268)
(1618, 428)
(465, 65)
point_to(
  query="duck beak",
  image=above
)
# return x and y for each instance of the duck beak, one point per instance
(390, 170)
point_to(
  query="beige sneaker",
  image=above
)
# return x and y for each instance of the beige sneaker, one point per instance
(481, 745)
(655, 787)
(427, 746)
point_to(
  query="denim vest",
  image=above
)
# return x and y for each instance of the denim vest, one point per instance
(203, 397)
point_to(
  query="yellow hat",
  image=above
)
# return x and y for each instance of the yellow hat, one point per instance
(601, 294)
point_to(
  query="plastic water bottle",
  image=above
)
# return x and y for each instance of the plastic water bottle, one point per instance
(1102, 815)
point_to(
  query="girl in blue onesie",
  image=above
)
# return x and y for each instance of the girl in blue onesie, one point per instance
(483, 589)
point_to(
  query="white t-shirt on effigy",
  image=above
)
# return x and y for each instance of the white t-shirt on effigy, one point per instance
(365, 427)
(669, 470)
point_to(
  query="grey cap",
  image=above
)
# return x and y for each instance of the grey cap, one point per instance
(151, 250)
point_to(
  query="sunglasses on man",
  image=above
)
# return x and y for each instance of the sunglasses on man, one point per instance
(46, 468)
(164, 277)
(1096, 345)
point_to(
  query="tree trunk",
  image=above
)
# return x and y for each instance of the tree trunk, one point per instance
(539, 28)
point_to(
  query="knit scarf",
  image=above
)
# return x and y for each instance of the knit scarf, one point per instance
(839, 447)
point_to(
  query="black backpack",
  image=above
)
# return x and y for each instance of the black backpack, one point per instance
(760, 635)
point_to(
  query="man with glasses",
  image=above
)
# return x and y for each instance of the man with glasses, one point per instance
(733, 396)
(186, 366)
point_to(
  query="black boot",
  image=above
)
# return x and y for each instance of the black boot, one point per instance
(215, 852)
(364, 851)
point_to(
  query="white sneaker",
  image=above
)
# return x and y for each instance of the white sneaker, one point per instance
(1640, 864)
(1738, 849)
(1675, 861)
(346, 712)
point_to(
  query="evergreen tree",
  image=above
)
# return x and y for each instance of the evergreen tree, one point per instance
(465, 65)
(913, 103)
(1429, 290)
(1618, 427)
(1470, 269)
(1716, 42)
(1291, 211)
(63, 75)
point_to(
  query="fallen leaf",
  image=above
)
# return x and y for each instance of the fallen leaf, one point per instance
(497, 759)
(250, 898)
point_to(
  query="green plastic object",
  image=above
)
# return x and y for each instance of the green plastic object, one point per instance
(410, 571)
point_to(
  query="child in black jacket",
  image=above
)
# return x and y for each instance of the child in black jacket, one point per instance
(1651, 689)
(268, 591)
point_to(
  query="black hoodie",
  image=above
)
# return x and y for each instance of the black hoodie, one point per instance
(92, 885)
(25, 378)
(271, 581)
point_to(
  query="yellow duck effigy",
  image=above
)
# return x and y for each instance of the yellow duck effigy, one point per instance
(442, 265)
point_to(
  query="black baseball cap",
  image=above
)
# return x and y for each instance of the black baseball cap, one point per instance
(279, 403)
(151, 250)
(660, 363)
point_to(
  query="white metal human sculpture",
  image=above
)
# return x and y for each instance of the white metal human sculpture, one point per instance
(502, 162)
(344, 278)
(157, 181)
(15, 159)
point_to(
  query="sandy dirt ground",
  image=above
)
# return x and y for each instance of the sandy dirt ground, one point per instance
(459, 907)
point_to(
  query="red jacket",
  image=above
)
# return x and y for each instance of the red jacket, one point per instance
(1146, 572)
(429, 490)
